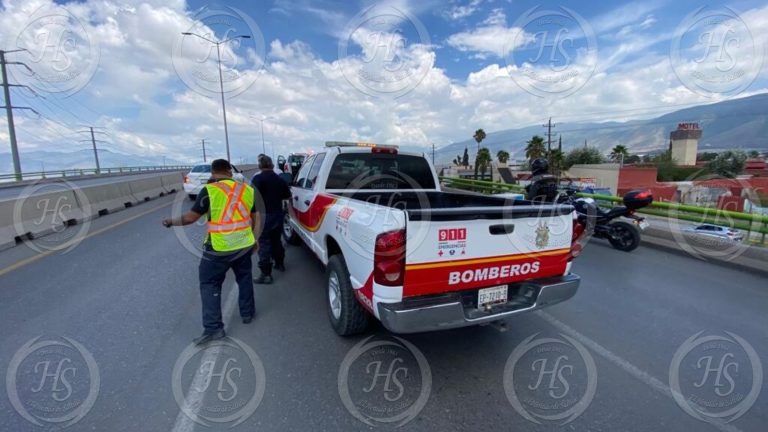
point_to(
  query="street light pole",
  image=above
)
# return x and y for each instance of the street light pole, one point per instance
(221, 79)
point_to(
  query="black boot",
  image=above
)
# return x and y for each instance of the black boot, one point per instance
(209, 336)
(263, 279)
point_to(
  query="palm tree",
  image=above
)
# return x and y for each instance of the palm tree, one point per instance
(535, 148)
(619, 153)
(482, 162)
(502, 156)
(479, 136)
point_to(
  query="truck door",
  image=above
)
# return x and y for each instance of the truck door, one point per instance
(301, 200)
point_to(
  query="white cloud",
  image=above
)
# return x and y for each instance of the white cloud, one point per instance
(493, 37)
(311, 101)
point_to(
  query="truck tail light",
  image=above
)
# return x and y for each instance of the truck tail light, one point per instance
(389, 258)
(384, 150)
(576, 246)
(186, 179)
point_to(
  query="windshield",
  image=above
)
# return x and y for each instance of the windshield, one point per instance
(201, 169)
(379, 171)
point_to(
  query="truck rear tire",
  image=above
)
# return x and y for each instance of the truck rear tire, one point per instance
(347, 315)
(289, 234)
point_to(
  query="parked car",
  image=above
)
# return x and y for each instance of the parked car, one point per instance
(199, 175)
(399, 249)
(717, 231)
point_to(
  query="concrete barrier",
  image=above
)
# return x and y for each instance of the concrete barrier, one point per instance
(172, 183)
(29, 217)
(108, 198)
(147, 189)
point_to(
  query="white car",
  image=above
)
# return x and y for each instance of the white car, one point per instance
(199, 175)
(717, 231)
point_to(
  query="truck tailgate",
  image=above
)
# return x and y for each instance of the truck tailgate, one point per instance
(465, 248)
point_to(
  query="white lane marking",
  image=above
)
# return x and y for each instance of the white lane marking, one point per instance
(194, 397)
(626, 366)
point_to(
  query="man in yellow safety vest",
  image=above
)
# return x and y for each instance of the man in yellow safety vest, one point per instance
(230, 242)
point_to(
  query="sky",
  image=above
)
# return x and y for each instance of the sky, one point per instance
(413, 73)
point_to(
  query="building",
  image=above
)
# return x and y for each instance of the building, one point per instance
(684, 143)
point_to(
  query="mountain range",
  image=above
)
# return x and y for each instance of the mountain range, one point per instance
(39, 160)
(734, 124)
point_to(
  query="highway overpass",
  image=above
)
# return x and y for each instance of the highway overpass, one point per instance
(126, 298)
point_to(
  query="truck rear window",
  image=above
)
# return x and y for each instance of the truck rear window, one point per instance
(379, 171)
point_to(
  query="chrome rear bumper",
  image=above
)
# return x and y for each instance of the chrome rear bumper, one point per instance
(447, 312)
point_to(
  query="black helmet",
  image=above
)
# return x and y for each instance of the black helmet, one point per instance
(539, 166)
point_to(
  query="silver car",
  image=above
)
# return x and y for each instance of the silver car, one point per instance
(717, 231)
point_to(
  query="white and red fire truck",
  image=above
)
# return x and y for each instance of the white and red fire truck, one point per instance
(398, 248)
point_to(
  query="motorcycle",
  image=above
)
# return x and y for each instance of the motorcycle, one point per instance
(623, 235)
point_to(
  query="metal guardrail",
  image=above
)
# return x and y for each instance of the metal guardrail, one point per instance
(91, 171)
(684, 212)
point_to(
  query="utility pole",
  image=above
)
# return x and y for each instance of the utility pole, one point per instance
(95, 152)
(221, 79)
(549, 127)
(202, 141)
(9, 110)
(433, 154)
(93, 142)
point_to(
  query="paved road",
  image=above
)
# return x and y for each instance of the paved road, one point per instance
(10, 192)
(128, 294)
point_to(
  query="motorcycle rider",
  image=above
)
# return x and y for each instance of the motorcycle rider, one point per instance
(543, 186)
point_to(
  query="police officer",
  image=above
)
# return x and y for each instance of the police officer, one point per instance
(273, 190)
(230, 242)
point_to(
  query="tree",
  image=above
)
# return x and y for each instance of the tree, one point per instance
(502, 156)
(754, 154)
(632, 159)
(706, 156)
(535, 148)
(619, 153)
(583, 156)
(479, 136)
(482, 162)
(728, 164)
(556, 160)
(465, 158)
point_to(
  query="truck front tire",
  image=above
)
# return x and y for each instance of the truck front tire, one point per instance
(289, 234)
(347, 315)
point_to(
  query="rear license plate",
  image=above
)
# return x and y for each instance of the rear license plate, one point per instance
(642, 224)
(491, 296)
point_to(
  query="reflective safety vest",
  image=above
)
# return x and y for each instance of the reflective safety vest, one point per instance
(229, 226)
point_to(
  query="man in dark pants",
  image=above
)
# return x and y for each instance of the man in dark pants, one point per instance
(273, 190)
(230, 242)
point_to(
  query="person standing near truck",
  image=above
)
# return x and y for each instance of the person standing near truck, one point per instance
(273, 190)
(230, 242)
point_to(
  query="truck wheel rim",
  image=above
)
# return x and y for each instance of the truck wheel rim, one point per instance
(334, 295)
(286, 227)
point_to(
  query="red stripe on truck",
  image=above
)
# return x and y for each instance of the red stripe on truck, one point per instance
(313, 217)
(443, 277)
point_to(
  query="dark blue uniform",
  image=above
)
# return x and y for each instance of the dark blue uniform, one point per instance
(213, 270)
(271, 190)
